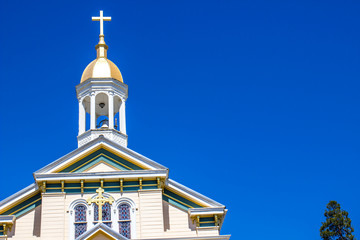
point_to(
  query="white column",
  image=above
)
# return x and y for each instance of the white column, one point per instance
(111, 110)
(92, 112)
(82, 117)
(122, 117)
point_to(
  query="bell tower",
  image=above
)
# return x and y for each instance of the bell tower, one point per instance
(102, 94)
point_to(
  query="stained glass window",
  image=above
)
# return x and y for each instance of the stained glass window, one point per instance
(124, 211)
(80, 219)
(108, 224)
(106, 214)
(124, 220)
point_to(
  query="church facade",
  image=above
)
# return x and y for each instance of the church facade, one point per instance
(102, 189)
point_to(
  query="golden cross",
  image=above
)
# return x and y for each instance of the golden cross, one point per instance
(101, 18)
(100, 200)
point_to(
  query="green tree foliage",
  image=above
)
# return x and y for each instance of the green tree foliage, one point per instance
(337, 225)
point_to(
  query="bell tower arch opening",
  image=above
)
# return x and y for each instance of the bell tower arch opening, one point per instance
(102, 94)
(102, 110)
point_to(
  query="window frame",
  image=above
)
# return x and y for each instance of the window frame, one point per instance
(111, 216)
(116, 220)
(114, 215)
(80, 222)
(72, 216)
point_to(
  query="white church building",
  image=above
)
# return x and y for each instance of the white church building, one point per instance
(102, 189)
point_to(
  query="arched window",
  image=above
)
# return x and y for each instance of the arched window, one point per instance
(80, 219)
(119, 216)
(125, 220)
(106, 214)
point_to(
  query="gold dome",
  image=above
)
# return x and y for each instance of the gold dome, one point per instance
(101, 68)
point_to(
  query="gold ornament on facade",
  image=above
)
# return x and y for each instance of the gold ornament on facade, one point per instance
(100, 200)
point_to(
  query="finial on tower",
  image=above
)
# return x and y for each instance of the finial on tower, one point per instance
(101, 48)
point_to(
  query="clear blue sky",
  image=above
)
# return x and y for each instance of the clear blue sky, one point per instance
(252, 103)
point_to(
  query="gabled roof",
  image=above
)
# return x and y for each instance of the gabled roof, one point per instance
(185, 191)
(101, 229)
(25, 193)
(131, 166)
(101, 155)
(94, 145)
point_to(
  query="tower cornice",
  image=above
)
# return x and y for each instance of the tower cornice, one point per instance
(102, 84)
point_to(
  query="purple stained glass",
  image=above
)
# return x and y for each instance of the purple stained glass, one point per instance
(106, 212)
(124, 220)
(124, 211)
(125, 229)
(96, 212)
(80, 228)
(108, 224)
(80, 213)
(80, 219)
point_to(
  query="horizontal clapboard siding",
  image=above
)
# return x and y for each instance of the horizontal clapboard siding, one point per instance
(151, 214)
(53, 216)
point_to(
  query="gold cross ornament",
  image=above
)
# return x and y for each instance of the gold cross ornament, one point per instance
(101, 18)
(100, 200)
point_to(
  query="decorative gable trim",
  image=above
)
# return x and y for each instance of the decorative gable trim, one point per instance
(190, 194)
(21, 202)
(95, 145)
(179, 201)
(24, 206)
(101, 166)
(100, 155)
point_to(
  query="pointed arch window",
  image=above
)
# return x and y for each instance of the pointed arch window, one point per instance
(106, 214)
(125, 220)
(80, 219)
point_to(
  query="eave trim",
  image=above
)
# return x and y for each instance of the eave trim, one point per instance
(18, 196)
(9, 219)
(101, 175)
(206, 211)
(177, 187)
